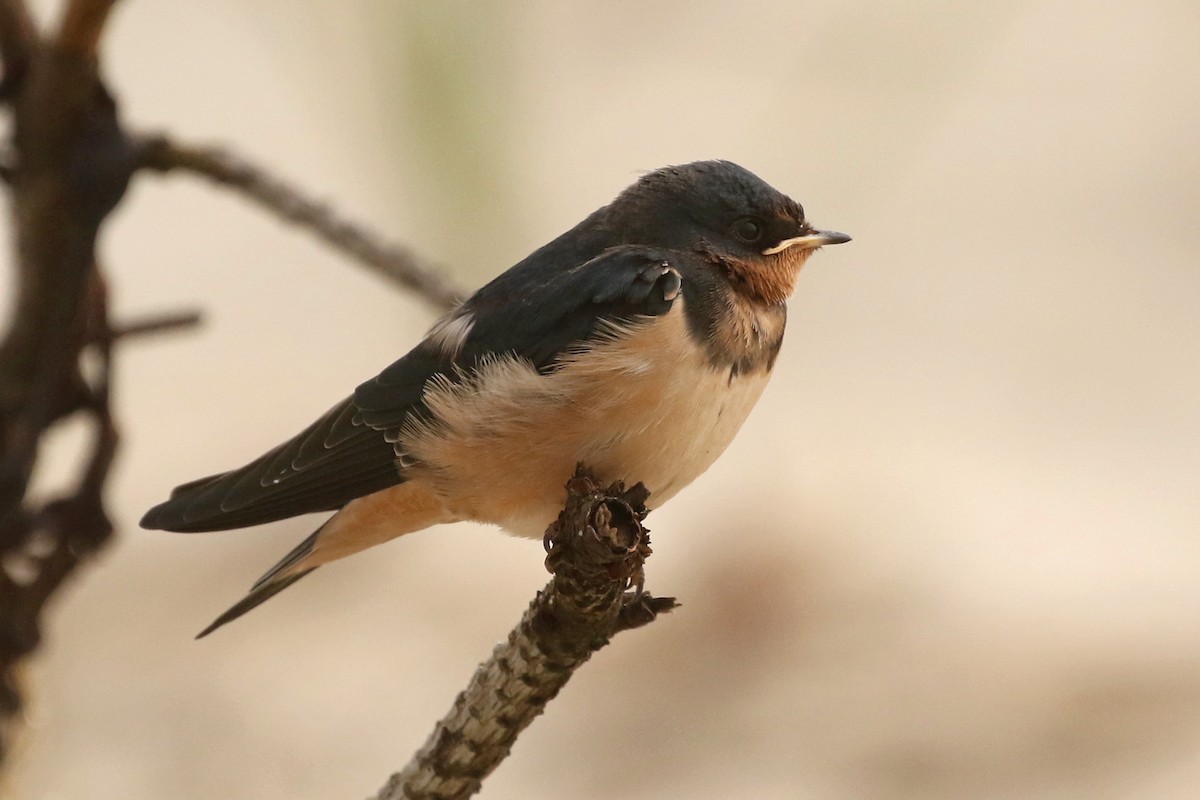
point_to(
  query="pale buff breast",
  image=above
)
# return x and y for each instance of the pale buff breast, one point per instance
(643, 405)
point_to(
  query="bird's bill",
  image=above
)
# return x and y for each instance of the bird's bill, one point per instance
(809, 241)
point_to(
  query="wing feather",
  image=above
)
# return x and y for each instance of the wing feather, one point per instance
(537, 310)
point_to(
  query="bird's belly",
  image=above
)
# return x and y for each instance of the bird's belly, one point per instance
(646, 405)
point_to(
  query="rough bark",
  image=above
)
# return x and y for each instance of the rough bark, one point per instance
(596, 551)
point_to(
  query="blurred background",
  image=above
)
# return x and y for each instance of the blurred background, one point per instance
(954, 551)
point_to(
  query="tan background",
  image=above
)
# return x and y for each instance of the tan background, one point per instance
(954, 552)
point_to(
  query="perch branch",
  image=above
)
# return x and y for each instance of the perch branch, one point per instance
(399, 263)
(597, 549)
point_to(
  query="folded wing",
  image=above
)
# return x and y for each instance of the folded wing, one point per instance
(535, 311)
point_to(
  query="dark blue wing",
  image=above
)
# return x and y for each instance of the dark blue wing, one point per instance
(533, 311)
(535, 314)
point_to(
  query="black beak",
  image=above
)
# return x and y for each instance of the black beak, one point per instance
(809, 241)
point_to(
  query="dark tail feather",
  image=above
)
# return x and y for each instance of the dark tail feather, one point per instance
(252, 600)
(268, 585)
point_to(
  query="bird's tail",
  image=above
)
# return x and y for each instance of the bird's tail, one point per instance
(276, 579)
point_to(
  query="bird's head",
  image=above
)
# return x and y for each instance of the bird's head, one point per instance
(755, 234)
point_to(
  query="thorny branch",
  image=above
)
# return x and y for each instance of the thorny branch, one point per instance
(17, 37)
(397, 262)
(597, 549)
(67, 168)
(82, 24)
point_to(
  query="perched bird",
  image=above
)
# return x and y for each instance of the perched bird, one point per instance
(636, 343)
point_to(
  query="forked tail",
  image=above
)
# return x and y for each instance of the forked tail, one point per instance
(272, 583)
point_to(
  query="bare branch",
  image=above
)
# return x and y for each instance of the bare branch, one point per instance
(161, 323)
(596, 551)
(18, 36)
(70, 165)
(396, 262)
(82, 25)
(41, 548)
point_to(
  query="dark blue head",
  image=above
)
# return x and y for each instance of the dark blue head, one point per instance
(718, 201)
(726, 212)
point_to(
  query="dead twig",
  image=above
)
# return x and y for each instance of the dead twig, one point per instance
(69, 168)
(161, 323)
(82, 25)
(17, 38)
(399, 263)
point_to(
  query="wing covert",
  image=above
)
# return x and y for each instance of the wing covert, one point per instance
(534, 311)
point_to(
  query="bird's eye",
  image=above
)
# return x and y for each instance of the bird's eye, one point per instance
(747, 229)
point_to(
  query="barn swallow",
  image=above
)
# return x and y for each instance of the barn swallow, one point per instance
(636, 343)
